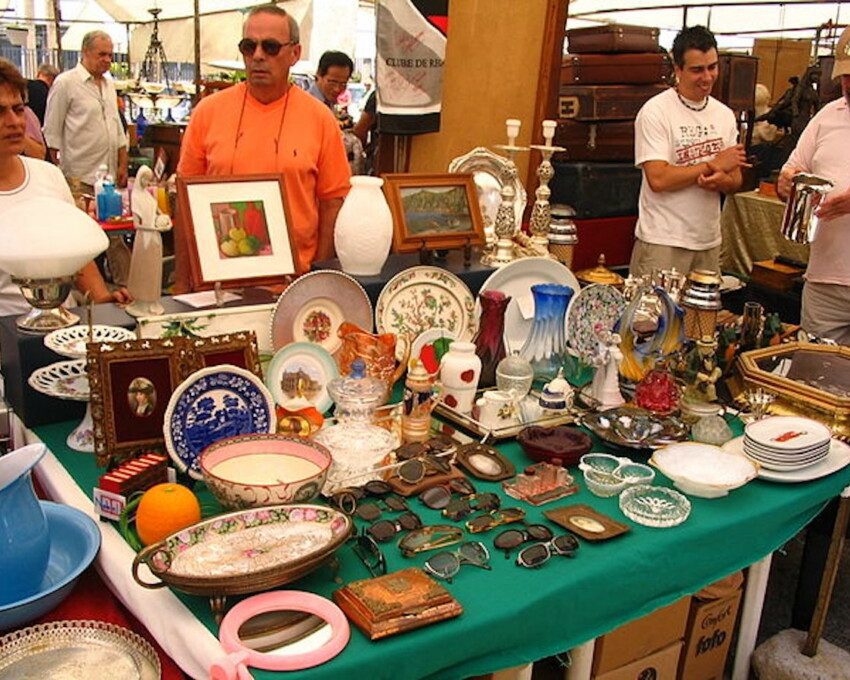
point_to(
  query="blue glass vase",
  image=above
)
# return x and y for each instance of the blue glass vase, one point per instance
(546, 345)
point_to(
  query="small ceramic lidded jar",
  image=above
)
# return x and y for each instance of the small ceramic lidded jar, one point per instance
(459, 372)
(364, 228)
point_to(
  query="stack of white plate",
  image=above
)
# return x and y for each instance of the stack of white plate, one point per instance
(786, 442)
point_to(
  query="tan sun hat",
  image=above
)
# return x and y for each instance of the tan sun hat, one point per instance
(842, 55)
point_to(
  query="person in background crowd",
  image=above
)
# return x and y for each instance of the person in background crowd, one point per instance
(335, 69)
(23, 178)
(34, 145)
(685, 143)
(366, 129)
(824, 150)
(37, 89)
(82, 126)
(266, 125)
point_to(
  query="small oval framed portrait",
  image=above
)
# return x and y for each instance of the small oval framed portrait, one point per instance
(141, 396)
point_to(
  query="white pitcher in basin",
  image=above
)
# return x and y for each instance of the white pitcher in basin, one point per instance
(24, 536)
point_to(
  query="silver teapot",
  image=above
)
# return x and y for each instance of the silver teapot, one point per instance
(800, 221)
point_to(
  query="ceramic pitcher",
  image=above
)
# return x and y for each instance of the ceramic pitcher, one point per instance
(379, 351)
(24, 537)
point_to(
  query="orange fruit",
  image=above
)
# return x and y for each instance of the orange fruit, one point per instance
(165, 509)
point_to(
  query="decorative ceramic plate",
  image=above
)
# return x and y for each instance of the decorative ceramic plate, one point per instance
(77, 649)
(515, 280)
(838, 458)
(787, 434)
(63, 380)
(212, 404)
(246, 551)
(593, 309)
(420, 298)
(654, 506)
(312, 308)
(486, 168)
(302, 369)
(71, 342)
(428, 337)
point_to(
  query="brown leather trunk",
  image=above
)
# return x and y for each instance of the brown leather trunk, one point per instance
(612, 38)
(602, 141)
(736, 81)
(604, 102)
(615, 69)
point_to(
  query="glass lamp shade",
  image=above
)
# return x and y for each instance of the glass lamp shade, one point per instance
(46, 238)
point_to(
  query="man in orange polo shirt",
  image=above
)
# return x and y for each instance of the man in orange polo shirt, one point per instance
(267, 125)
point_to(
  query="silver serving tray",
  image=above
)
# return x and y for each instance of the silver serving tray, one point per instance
(77, 650)
(663, 430)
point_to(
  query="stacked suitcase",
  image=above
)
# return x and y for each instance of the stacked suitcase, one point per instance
(607, 76)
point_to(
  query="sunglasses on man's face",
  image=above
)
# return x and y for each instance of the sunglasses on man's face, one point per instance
(271, 47)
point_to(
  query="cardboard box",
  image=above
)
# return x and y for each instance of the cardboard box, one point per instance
(775, 275)
(711, 625)
(659, 666)
(638, 639)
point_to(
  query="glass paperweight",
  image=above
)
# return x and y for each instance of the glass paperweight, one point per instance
(357, 446)
(515, 373)
(711, 430)
(654, 506)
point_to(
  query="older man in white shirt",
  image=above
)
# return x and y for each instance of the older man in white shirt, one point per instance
(82, 125)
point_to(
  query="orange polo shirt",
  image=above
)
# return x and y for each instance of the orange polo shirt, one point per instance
(309, 152)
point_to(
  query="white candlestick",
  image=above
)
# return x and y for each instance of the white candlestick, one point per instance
(513, 125)
(549, 131)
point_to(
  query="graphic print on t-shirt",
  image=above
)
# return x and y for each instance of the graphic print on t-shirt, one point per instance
(696, 143)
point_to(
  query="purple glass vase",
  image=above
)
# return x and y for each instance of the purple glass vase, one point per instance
(489, 340)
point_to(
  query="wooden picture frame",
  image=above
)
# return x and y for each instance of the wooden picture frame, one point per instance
(235, 349)
(237, 230)
(433, 211)
(131, 383)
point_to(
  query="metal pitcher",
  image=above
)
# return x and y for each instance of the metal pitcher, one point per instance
(800, 222)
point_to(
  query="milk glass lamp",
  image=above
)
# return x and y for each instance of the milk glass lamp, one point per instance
(46, 241)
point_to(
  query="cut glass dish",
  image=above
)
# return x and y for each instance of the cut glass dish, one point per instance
(654, 506)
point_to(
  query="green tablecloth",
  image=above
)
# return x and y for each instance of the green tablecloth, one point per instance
(513, 615)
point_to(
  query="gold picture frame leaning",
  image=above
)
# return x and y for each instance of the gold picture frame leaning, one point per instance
(237, 230)
(433, 211)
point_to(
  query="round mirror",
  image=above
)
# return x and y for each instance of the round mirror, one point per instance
(280, 631)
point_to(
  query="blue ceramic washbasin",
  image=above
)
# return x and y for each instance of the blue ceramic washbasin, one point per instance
(74, 542)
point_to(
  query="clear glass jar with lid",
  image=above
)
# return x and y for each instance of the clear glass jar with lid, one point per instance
(357, 446)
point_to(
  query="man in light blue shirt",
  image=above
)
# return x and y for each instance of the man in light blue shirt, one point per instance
(335, 68)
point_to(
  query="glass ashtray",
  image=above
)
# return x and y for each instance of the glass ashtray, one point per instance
(602, 484)
(654, 506)
(606, 475)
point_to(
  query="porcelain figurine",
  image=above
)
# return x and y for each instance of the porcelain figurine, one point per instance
(144, 282)
(364, 228)
(557, 395)
(703, 387)
(605, 388)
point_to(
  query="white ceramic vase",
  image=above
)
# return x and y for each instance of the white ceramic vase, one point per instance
(364, 228)
(459, 372)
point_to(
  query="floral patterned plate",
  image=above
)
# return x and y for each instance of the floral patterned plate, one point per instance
(312, 308)
(246, 551)
(212, 404)
(302, 369)
(595, 308)
(63, 380)
(420, 298)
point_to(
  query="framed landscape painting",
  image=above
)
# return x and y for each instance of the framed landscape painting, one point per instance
(433, 211)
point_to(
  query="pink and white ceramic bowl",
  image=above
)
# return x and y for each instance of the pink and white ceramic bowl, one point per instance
(236, 495)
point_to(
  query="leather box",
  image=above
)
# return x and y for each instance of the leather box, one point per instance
(395, 603)
(736, 81)
(775, 275)
(615, 69)
(608, 140)
(604, 102)
(612, 38)
(597, 189)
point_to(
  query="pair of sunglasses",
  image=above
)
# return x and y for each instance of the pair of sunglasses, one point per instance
(271, 47)
(414, 470)
(370, 554)
(537, 554)
(446, 565)
(429, 538)
(385, 530)
(510, 539)
(459, 508)
(438, 497)
(493, 519)
(347, 500)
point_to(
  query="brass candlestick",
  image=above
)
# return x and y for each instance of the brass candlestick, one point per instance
(505, 223)
(541, 215)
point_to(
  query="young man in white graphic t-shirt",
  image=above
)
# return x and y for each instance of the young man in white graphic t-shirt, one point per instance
(686, 145)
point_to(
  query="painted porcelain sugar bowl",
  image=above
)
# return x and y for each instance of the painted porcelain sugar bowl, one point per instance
(357, 446)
